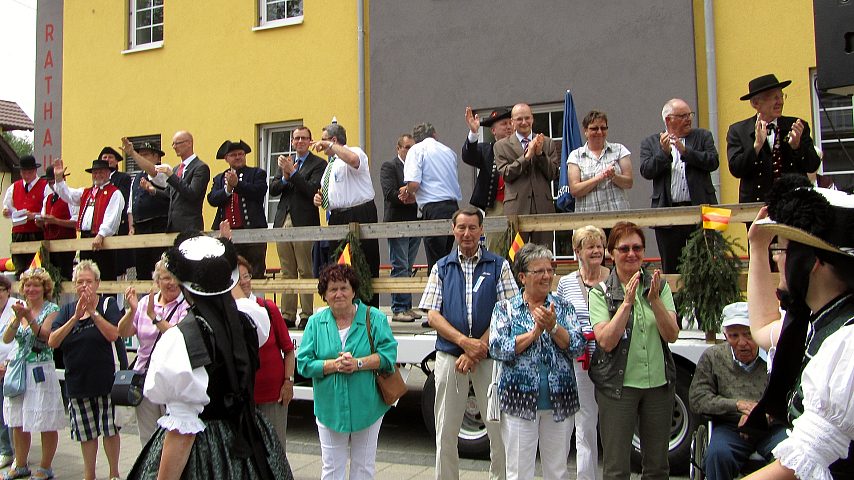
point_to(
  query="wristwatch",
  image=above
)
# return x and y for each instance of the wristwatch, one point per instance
(290, 379)
(156, 319)
(359, 364)
(554, 329)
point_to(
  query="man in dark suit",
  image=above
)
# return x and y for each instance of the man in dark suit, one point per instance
(122, 181)
(401, 251)
(238, 195)
(763, 147)
(528, 162)
(297, 182)
(679, 161)
(488, 194)
(187, 185)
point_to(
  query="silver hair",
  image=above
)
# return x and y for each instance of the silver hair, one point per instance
(86, 265)
(423, 131)
(159, 269)
(529, 253)
(337, 131)
(580, 235)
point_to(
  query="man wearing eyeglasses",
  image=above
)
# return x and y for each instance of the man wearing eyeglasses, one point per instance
(297, 182)
(187, 185)
(767, 145)
(679, 161)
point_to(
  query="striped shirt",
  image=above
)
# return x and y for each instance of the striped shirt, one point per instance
(569, 289)
(678, 183)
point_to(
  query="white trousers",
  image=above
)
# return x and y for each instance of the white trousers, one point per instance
(360, 447)
(586, 419)
(452, 393)
(520, 442)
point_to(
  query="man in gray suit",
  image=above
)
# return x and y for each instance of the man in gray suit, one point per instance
(679, 161)
(187, 185)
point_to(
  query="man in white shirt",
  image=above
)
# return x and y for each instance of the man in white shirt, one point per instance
(346, 190)
(21, 203)
(101, 207)
(430, 173)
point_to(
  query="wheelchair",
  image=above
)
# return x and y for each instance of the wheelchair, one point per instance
(700, 442)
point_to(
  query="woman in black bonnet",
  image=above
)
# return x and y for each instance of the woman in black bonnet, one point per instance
(211, 429)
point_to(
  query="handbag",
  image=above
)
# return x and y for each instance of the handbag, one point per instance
(390, 384)
(493, 407)
(128, 384)
(15, 382)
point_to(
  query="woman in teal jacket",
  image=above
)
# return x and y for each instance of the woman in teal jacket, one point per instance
(336, 354)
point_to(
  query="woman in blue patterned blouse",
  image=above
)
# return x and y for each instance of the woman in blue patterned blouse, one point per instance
(536, 337)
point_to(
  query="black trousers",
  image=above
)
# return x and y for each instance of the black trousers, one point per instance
(146, 258)
(670, 242)
(22, 261)
(438, 247)
(256, 255)
(105, 259)
(364, 213)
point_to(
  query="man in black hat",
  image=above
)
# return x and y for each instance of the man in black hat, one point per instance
(23, 200)
(763, 147)
(488, 194)
(238, 195)
(149, 204)
(58, 220)
(101, 207)
(679, 161)
(124, 258)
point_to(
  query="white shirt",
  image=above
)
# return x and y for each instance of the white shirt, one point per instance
(349, 186)
(73, 209)
(8, 197)
(678, 182)
(823, 433)
(112, 216)
(434, 166)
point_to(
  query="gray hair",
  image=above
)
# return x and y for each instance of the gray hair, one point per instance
(159, 269)
(588, 232)
(337, 131)
(667, 110)
(423, 131)
(86, 265)
(529, 253)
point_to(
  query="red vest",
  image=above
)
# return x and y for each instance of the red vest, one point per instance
(102, 199)
(58, 209)
(30, 201)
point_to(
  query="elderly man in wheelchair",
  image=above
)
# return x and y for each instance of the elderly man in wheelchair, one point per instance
(730, 378)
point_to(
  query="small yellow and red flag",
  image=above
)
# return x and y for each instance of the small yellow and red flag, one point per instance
(37, 261)
(515, 247)
(716, 218)
(344, 259)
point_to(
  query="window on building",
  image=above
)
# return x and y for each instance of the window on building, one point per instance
(548, 120)
(279, 12)
(146, 23)
(833, 130)
(130, 164)
(275, 141)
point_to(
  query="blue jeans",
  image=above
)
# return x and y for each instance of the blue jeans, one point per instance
(728, 451)
(5, 433)
(402, 252)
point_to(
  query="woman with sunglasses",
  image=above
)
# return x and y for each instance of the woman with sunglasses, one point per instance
(600, 172)
(634, 319)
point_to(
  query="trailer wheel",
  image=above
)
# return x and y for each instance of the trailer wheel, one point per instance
(682, 428)
(472, 441)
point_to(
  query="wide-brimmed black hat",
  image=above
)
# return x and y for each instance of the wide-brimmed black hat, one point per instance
(49, 175)
(495, 116)
(150, 146)
(204, 265)
(28, 162)
(229, 146)
(98, 163)
(762, 84)
(111, 151)
(817, 217)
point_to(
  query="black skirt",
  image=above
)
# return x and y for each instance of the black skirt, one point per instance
(211, 457)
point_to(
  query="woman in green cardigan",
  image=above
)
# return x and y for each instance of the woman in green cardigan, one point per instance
(336, 354)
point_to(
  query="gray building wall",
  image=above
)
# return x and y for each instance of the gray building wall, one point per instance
(431, 58)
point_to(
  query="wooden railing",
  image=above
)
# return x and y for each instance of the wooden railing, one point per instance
(649, 217)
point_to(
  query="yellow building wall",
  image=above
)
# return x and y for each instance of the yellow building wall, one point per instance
(214, 76)
(754, 38)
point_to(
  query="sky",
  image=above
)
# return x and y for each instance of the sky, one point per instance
(18, 53)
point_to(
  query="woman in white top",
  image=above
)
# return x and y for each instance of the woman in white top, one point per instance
(588, 243)
(6, 351)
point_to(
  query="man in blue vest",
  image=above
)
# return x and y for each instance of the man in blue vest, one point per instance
(462, 326)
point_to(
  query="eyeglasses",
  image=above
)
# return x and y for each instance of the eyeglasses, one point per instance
(302, 139)
(597, 129)
(683, 116)
(624, 249)
(175, 144)
(776, 250)
(326, 139)
(246, 277)
(540, 273)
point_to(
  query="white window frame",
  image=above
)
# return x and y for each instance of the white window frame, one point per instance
(264, 24)
(133, 46)
(265, 132)
(818, 117)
